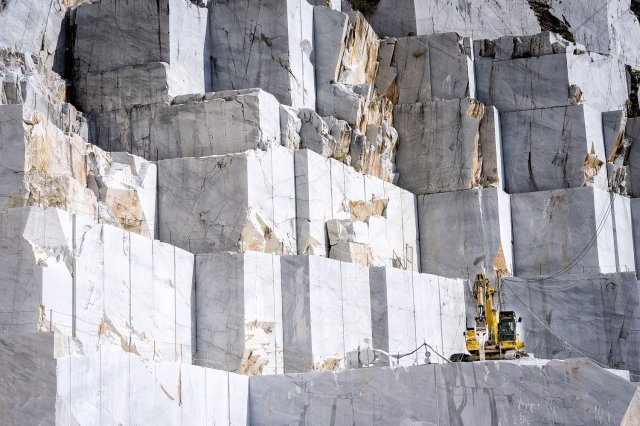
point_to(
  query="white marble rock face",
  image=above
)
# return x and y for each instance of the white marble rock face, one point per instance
(385, 215)
(544, 71)
(326, 312)
(193, 126)
(264, 43)
(117, 43)
(441, 149)
(553, 148)
(578, 230)
(409, 309)
(239, 313)
(238, 202)
(42, 166)
(426, 69)
(61, 383)
(130, 292)
(465, 232)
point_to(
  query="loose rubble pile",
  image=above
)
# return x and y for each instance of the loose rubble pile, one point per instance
(212, 212)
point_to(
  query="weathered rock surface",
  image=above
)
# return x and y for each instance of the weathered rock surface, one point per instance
(26, 80)
(441, 149)
(42, 166)
(236, 202)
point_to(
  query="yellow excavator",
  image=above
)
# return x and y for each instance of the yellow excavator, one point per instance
(494, 337)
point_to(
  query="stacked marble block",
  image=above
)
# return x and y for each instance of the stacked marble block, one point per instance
(260, 313)
(449, 155)
(534, 130)
(552, 96)
(603, 26)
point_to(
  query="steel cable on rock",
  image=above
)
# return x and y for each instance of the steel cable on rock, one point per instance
(600, 226)
(550, 330)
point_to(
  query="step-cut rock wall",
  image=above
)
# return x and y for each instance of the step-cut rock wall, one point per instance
(603, 26)
(317, 188)
(101, 284)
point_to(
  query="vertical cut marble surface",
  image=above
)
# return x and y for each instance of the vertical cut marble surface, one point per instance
(461, 232)
(239, 313)
(570, 229)
(267, 44)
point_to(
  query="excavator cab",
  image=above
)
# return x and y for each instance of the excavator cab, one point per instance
(507, 327)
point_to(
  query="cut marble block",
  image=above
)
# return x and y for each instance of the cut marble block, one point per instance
(603, 26)
(544, 72)
(426, 69)
(239, 313)
(98, 282)
(477, 18)
(119, 44)
(42, 166)
(24, 79)
(492, 392)
(328, 190)
(326, 312)
(409, 309)
(441, 149)
(466, 232)
(267, 44)
(111, 92)
(237, 202)
(571, 231)
(195, 126)
(553, 148)
(36, 26)
(607, 302)
(52, 384)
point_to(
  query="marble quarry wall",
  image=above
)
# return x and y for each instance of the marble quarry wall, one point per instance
(272, 211)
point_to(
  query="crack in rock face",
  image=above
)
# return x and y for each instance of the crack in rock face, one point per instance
(549, 22)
